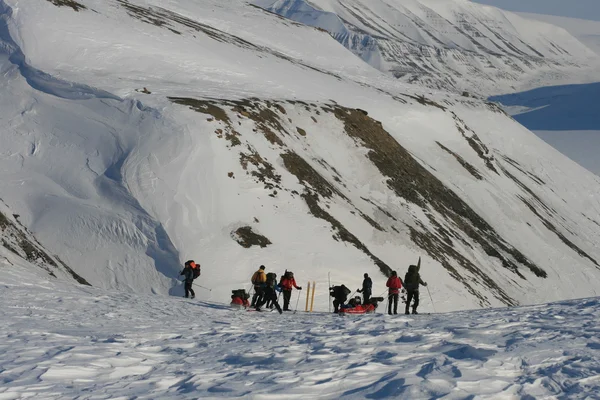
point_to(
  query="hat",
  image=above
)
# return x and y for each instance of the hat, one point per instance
(262, 267)
(366, 275)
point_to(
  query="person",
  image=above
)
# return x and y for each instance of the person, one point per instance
(412, 279)
(367, 287)
(270, 292)
(190, 271)
(287, 283)
(353, 302)
(258, 280)
(394, 284)
(340, 295)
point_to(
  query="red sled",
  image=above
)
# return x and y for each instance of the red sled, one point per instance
(236, 302)
(360, 309)
(354, 306)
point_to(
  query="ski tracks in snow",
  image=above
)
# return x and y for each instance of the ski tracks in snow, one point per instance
(66, 342)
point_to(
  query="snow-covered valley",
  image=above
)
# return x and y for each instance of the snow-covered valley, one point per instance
(183, 135)
(137, 134)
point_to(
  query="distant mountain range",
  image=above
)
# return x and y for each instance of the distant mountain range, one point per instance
(452, 45)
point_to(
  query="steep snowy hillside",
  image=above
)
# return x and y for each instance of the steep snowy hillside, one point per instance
(139, 134)
(68, 342)
(18, 244)
(450, 44)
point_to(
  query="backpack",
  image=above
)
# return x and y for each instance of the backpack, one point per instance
(339, 291)
(271, 279)
(241, 293)
(196, 272)
(254, 278)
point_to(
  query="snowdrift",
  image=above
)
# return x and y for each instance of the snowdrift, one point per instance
(80, 342)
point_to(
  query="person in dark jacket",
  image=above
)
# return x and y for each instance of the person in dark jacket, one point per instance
(412, 280)
(394, 283)
(188, 273)
(340, 296)
(287, 283)
(367, 289)
(270, 292)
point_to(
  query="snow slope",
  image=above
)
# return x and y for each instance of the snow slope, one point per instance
(582, 9)
(139, 134)
(59, 341)
(454, 45)
(586, 31)
(21, 244)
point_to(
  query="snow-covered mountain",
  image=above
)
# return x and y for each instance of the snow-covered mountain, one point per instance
(447, 44)
(139, 134)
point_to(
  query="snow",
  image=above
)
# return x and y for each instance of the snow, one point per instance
(453, 45)
(586, 31)
(580, 146)
(63, 341)
(582, 9)
(124, 185)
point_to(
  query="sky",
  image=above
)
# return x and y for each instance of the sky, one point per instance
(585, 9)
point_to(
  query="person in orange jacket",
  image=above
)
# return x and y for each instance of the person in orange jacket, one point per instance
(287, 283)
(394, 283)
(258, 280)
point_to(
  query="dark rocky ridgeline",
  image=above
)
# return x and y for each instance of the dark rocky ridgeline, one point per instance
(452, 224)
(17, 239)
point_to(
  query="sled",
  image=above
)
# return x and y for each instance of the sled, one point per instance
(357, 308)
(360, 309)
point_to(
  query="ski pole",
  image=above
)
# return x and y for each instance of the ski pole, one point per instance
(204, 287)
(387, 303)
(297, 300)
(431, 298)
(329, 302)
